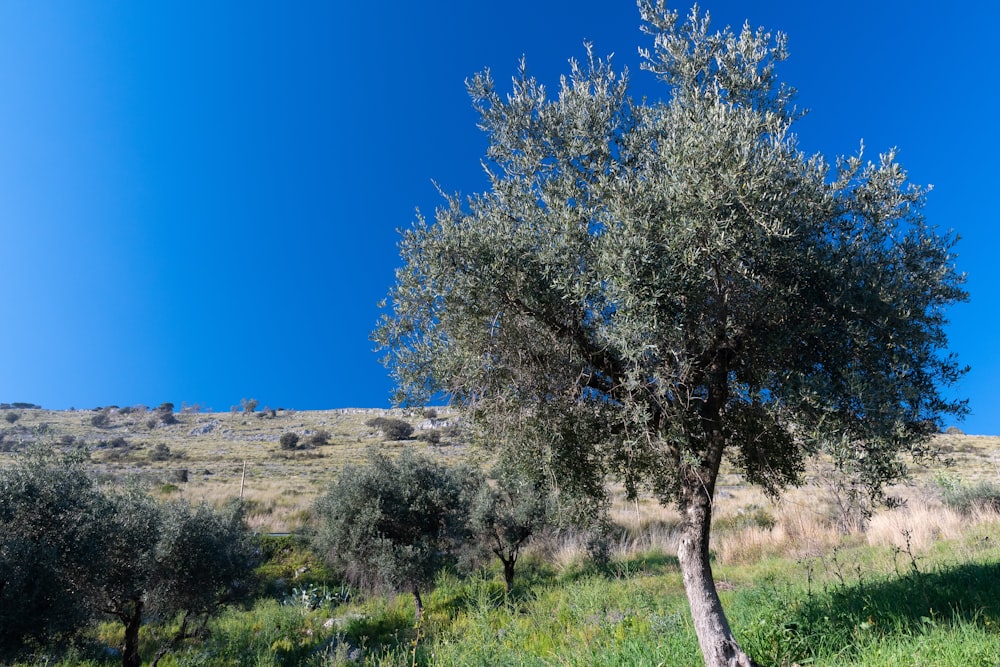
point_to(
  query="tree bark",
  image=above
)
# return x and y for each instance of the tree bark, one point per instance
(130, 649)
(508, 572)
(418, 604)
(718, 645)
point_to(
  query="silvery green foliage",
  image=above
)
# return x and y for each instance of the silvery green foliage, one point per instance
(392, 524)
(48, 543)
(72, 550)
(647, 287)
(508, 510)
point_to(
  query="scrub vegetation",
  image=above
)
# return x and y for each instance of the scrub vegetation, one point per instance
(914, 584)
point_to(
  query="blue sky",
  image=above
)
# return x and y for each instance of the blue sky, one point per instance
(199, 201)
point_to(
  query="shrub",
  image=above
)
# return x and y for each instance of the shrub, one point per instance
(432, 436)
(319, 438)
(289, 440)
(392, 524)
(391, 428)
(101, 419)
(165, 413)
(159, 452)
(11, 417)
(968, 499)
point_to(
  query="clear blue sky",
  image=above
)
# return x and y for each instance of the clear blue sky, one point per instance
(199, 201)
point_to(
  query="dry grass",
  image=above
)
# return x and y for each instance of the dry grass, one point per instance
(280, 487)
(209, 450)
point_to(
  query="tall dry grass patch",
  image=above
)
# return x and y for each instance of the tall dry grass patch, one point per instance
(797, 532)
(922, 522)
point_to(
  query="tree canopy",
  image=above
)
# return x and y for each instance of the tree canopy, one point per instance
(72, 550)
(393, 524)
(649, 287)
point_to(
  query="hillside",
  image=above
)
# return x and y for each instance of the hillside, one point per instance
(201, 455)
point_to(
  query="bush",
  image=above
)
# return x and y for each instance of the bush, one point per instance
(101, 419)
(11, 417)
(165, 412)
(392, 524)
(390, 428)
(431, 437)
(319, 438)
(289, 440)
(159, 452)
(967, 499)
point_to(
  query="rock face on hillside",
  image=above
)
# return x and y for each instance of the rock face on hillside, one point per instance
(430, 424)
(204, 429)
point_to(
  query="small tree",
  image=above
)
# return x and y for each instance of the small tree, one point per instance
(71, 550)
(170, 559)
(204, 560)
(393, 524)
(130, 534)
(507, 511)
(248, 405)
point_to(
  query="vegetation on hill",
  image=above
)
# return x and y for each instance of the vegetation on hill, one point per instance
(801, 583)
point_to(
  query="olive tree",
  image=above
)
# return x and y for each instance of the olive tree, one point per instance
(169, 559)
(648, 288)
(72, 550)
(394, 523)
(48, 544)
(507, 511)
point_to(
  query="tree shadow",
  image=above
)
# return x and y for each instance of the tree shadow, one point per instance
(646, 565)
(910, 602)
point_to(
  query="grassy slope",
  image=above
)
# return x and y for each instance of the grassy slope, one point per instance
(921, 586)
(212, 447)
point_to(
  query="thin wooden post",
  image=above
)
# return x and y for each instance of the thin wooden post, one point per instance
(243, 479)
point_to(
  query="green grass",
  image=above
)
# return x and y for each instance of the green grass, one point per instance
(856, 606)
(867, 607)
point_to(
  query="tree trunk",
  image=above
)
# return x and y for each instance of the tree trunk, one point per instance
(130, 650)
(718, 646)
(418, 604)
(508, 572)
